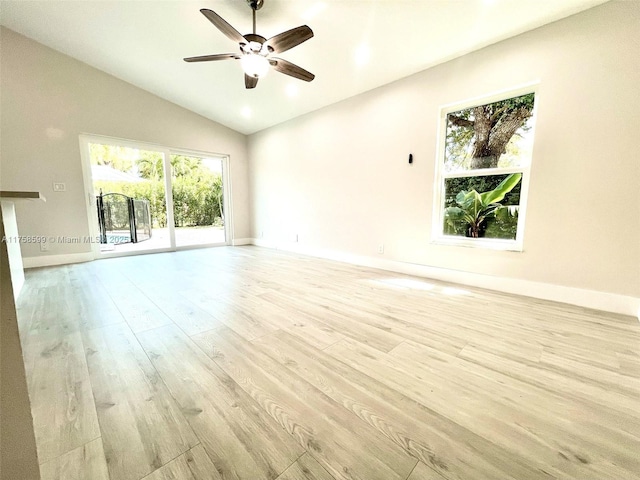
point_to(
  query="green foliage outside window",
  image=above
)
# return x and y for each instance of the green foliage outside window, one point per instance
(504, 225)
(197, 191)
(196, 203)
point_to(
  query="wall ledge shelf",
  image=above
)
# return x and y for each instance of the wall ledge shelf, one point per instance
(13, 195)
(8, 199)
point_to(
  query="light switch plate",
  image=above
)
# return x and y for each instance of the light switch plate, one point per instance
(59, 187)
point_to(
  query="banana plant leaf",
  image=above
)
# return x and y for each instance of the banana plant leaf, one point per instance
(473, 207)
(497, 194)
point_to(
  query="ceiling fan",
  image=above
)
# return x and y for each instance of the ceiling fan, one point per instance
(255, 50)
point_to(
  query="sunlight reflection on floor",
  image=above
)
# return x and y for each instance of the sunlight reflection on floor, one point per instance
(413, 284)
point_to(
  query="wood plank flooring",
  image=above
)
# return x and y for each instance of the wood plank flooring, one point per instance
(242, 363)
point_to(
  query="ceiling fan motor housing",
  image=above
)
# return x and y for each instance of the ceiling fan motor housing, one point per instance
(255, 44)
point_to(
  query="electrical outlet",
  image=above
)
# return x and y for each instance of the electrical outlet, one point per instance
(381, 248)
(59, 187)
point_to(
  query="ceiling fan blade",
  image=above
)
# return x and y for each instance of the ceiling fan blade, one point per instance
(249, 81)
(211, 58)
(289, 39)
(291, 69)
(223, 26)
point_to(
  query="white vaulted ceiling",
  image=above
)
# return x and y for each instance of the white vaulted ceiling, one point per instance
(358, 45)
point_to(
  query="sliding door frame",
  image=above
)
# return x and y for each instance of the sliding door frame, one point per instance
(90, 195)
(226, 197)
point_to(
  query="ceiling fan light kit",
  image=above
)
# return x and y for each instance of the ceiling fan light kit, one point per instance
(255, 50)
(254, 65)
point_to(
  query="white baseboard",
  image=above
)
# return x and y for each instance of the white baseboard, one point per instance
(260, 242)
(51, 260)
(242, 241)
(608, 302)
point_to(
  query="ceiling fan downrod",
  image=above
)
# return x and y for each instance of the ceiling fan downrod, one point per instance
(255, 6)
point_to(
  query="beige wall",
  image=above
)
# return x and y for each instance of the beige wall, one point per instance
(48, 99)
(339, 177)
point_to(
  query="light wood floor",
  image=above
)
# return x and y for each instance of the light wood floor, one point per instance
(246, 363)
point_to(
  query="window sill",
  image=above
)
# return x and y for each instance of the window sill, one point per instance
(485, 243)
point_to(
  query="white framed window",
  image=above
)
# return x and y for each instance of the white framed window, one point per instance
(482, 170)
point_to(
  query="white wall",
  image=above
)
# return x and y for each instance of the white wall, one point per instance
(339, 177)
(48, 99)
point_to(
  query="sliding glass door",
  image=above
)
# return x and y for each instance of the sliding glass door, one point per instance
(130, 197)
(145, 198)
(198, 199)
